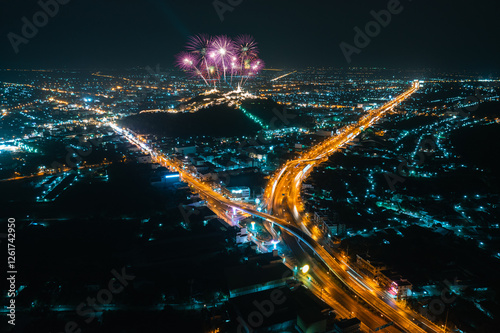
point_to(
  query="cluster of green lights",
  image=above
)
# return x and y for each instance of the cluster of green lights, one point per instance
(254, 118)
(26, 147)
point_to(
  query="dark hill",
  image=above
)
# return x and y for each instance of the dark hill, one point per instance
(217, 121)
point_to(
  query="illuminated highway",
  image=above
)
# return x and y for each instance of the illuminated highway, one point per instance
(283, 198)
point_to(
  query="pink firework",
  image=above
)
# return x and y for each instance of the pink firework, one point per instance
(252, 69)
(223, 47)
(199, 44)
(257, 66)
(246, 47)
(214, 58)
(189, 63)
(222, 51)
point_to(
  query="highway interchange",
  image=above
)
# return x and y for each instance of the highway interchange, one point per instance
(285, 209)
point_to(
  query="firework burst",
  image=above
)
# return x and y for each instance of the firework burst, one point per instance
(199, 44)
(246, 47)
(189, 63)
(217, 60)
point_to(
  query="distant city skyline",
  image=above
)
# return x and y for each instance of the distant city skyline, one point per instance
(113, 34)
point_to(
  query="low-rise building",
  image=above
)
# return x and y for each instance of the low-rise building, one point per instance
(395, 284)
(185, 150)
(238, 193)
(242, 236)
(401, 288)
(328, 223)
(372, 267)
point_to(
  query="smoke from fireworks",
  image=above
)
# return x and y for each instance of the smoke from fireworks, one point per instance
(220, 60)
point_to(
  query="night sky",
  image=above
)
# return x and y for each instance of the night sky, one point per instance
(444, 34)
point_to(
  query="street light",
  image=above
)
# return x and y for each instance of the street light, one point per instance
(305, 269)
